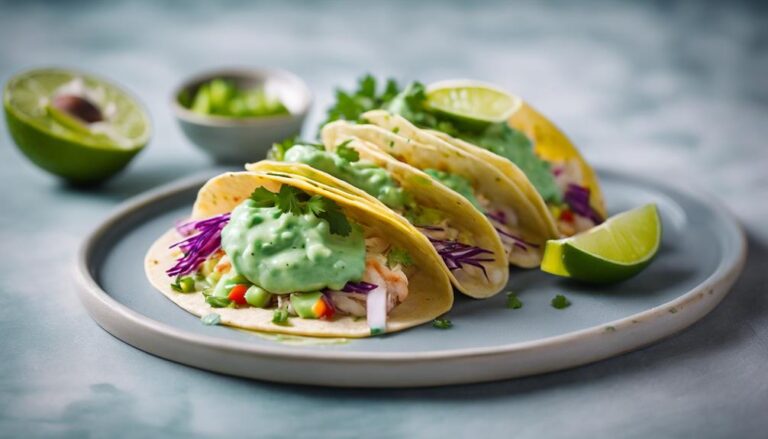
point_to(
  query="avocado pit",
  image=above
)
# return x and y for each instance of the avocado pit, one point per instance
(78, 107)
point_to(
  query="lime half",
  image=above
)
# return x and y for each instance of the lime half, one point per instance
(78, 151)
(611, 252)
(471, 101)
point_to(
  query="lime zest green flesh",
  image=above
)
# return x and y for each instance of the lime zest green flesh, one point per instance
(472, 102)
(27, 97)
(612, 251)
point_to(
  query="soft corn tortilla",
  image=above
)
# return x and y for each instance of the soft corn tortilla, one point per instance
(551, 144)
(431, 152)
(472, 224)
(430, 293)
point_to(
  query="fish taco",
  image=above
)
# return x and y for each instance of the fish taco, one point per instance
(272, 252)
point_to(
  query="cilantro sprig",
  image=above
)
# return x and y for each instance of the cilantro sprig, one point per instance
(351, 105)
(292, 200)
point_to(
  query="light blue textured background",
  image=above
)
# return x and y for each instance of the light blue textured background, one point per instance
(678, 92)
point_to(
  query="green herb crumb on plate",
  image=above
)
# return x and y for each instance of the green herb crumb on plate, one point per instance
(442, 323)
(560, 302)
(513, 302)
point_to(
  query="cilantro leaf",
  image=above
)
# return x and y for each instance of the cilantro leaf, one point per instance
(513, 302)
(316, 205)
(442, 323)
(297, 202)
(288, 200)
(263, 197)
(347, 153)
(398, 256)
(350, 105)
(338, 224)
(560, 302)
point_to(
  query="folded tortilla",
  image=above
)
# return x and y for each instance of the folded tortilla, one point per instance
(430, 294)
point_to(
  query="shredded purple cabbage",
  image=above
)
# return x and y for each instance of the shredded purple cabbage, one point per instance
(329, 300)
(577, 198)
(456, 255)
(498, 216)
(197, 248)
(359, 287)
(432, 228)
(517, 240)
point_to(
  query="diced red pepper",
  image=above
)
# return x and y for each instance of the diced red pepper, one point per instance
(322, 309)
(237, 294)
(566, 215)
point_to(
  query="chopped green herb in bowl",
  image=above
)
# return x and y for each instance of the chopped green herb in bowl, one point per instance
(235, 115)
(223, 97)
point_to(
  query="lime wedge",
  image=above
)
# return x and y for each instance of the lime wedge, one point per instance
(611, 252)
(471, 101)
(77, 151)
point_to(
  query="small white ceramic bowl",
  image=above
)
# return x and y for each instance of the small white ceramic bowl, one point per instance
(231, 140)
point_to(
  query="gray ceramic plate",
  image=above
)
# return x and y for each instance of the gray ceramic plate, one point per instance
(702, 253)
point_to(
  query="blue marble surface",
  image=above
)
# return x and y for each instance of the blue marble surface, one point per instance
(678, 92)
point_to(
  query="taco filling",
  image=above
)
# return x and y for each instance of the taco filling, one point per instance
(295, 254)
(344, 163)
(502, 220)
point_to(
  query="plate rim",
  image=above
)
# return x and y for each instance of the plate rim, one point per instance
(101, 305)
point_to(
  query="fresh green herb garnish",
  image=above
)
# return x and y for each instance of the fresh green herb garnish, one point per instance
(211, 319)
(297, 202)
(513, 302)
(280, 316)
(442, 323)
(218, 302)
(351, 105)
(263, 197)
(288, 200)
(222, 97)
(331, 212)
(347, 153)
(398, 256)
(560, 302)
